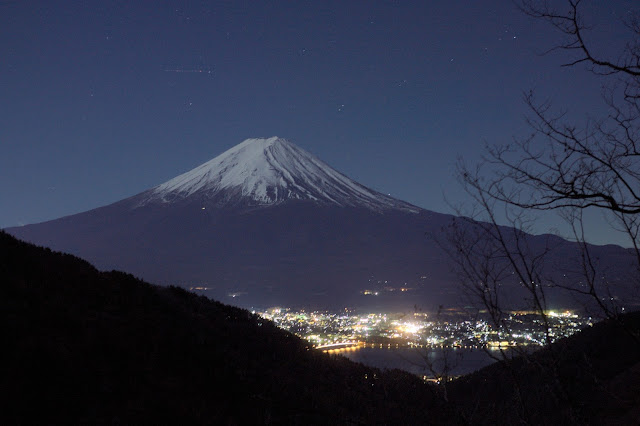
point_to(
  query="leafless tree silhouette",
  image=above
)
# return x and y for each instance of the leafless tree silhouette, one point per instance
(569, 168)
(561, 167)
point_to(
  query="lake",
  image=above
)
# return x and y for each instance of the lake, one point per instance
(415, 360)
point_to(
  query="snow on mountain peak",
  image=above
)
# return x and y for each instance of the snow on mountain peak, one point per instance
(269, 171)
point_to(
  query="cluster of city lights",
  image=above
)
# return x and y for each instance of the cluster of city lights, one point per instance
(330, 330)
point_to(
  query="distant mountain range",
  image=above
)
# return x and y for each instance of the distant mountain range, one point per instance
(267, 223)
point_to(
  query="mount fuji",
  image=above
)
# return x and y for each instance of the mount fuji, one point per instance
(266, 223)
(267, 172)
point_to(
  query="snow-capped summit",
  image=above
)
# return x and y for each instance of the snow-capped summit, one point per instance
(267, 171)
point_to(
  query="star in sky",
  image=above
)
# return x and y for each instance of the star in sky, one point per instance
(270, 69)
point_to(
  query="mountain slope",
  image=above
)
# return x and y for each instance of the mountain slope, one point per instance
(82, 346)
(267, 223)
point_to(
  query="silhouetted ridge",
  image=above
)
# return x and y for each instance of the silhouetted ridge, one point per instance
(592, 377)
(83, 346)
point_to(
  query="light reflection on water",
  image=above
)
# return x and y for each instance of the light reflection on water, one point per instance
(415, 360)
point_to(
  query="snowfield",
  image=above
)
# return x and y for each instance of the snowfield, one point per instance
(270, 171)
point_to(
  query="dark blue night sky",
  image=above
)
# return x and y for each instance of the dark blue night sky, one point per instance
(100, 100)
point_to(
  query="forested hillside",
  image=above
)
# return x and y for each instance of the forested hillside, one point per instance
(83, 346)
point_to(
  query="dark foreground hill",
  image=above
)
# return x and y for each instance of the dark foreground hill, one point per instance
(592, 377)
(82, 346)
